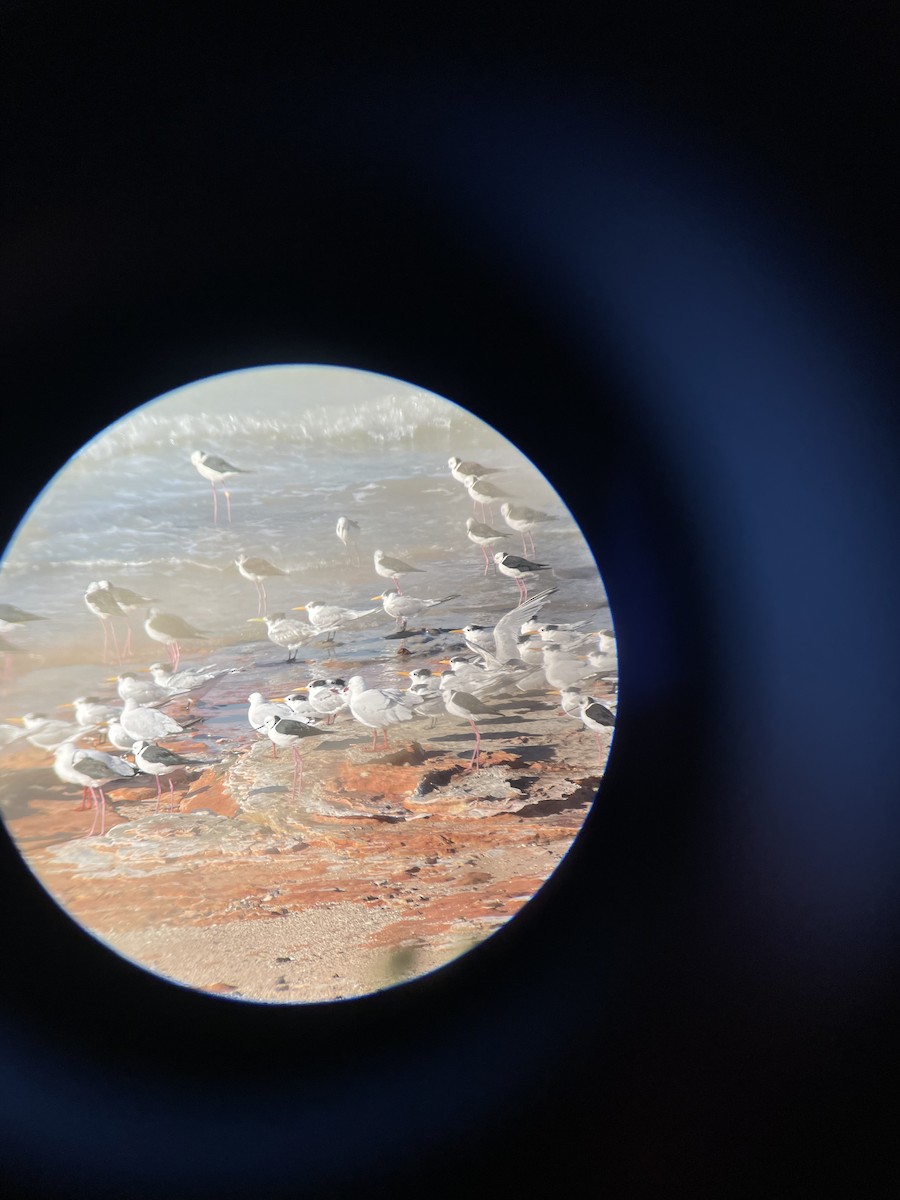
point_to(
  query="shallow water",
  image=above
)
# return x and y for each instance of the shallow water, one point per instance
(317, 443)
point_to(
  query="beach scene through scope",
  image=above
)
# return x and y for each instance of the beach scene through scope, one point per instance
(309, 682)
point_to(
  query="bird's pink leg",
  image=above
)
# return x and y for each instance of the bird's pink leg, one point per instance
(158, 793)
(171, 796)
(96, 812)
(374, 736)
(215, 503)
(298, 771)
(524, 547)
(474, 761)
(128, 648)
(397, 582)
(531, 539)
(177, 659)
(227, 502)
(112, 626)
(264, 601)
(105, 639)
(102, 811)
(487, 561)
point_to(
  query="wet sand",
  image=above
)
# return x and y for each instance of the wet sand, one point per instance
(388, 863)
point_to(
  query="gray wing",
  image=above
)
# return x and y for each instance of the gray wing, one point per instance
(506, 631)
(219, 464)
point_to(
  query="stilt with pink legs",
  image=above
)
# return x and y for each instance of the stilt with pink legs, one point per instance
(484, 493)
(467, 707)
(92, 771)
(523, 520)
(518, 569)
(151, 759)
(216, 470)
(129, 602)
(284, 731)
(392, 568)
(596, 716)
(171, 630)
(258, 570)
(102, 604)
(482, 536)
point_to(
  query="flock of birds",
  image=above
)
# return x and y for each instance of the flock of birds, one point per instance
(519, 654)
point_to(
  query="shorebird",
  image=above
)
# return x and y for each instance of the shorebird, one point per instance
(142, 691)
(595, 715)
(129, 602)
(483, 535)
(47, 732)
(329, 618)
(286, 632)
(327, 697)
(260, 709)
(116, 736)
(483, 492)
(562, 670)
(377, 707)
(567, 639)
(91, 711)
(190, 683)
(499, 646)
(459, 469)
(283, 731)
(258, 570)
(518, 569)
(155, 760)
(467, 707)
(146, 724)
(102, 604)
(92, 770)
(604, 659)
(392, 568)
(424, 691)
(401, 607)
(216, 470)
(523, 520)
(533, 625)
(477, 678)
(347, 531)
(13, 618)
(570, 699)
(300, 706)
(64, 770)
(170, 630)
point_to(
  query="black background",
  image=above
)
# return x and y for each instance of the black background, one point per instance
(703, 1000)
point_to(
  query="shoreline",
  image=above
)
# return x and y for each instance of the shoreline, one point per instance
(388, 865)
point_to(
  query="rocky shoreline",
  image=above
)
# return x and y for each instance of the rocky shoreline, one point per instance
(388, 864)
